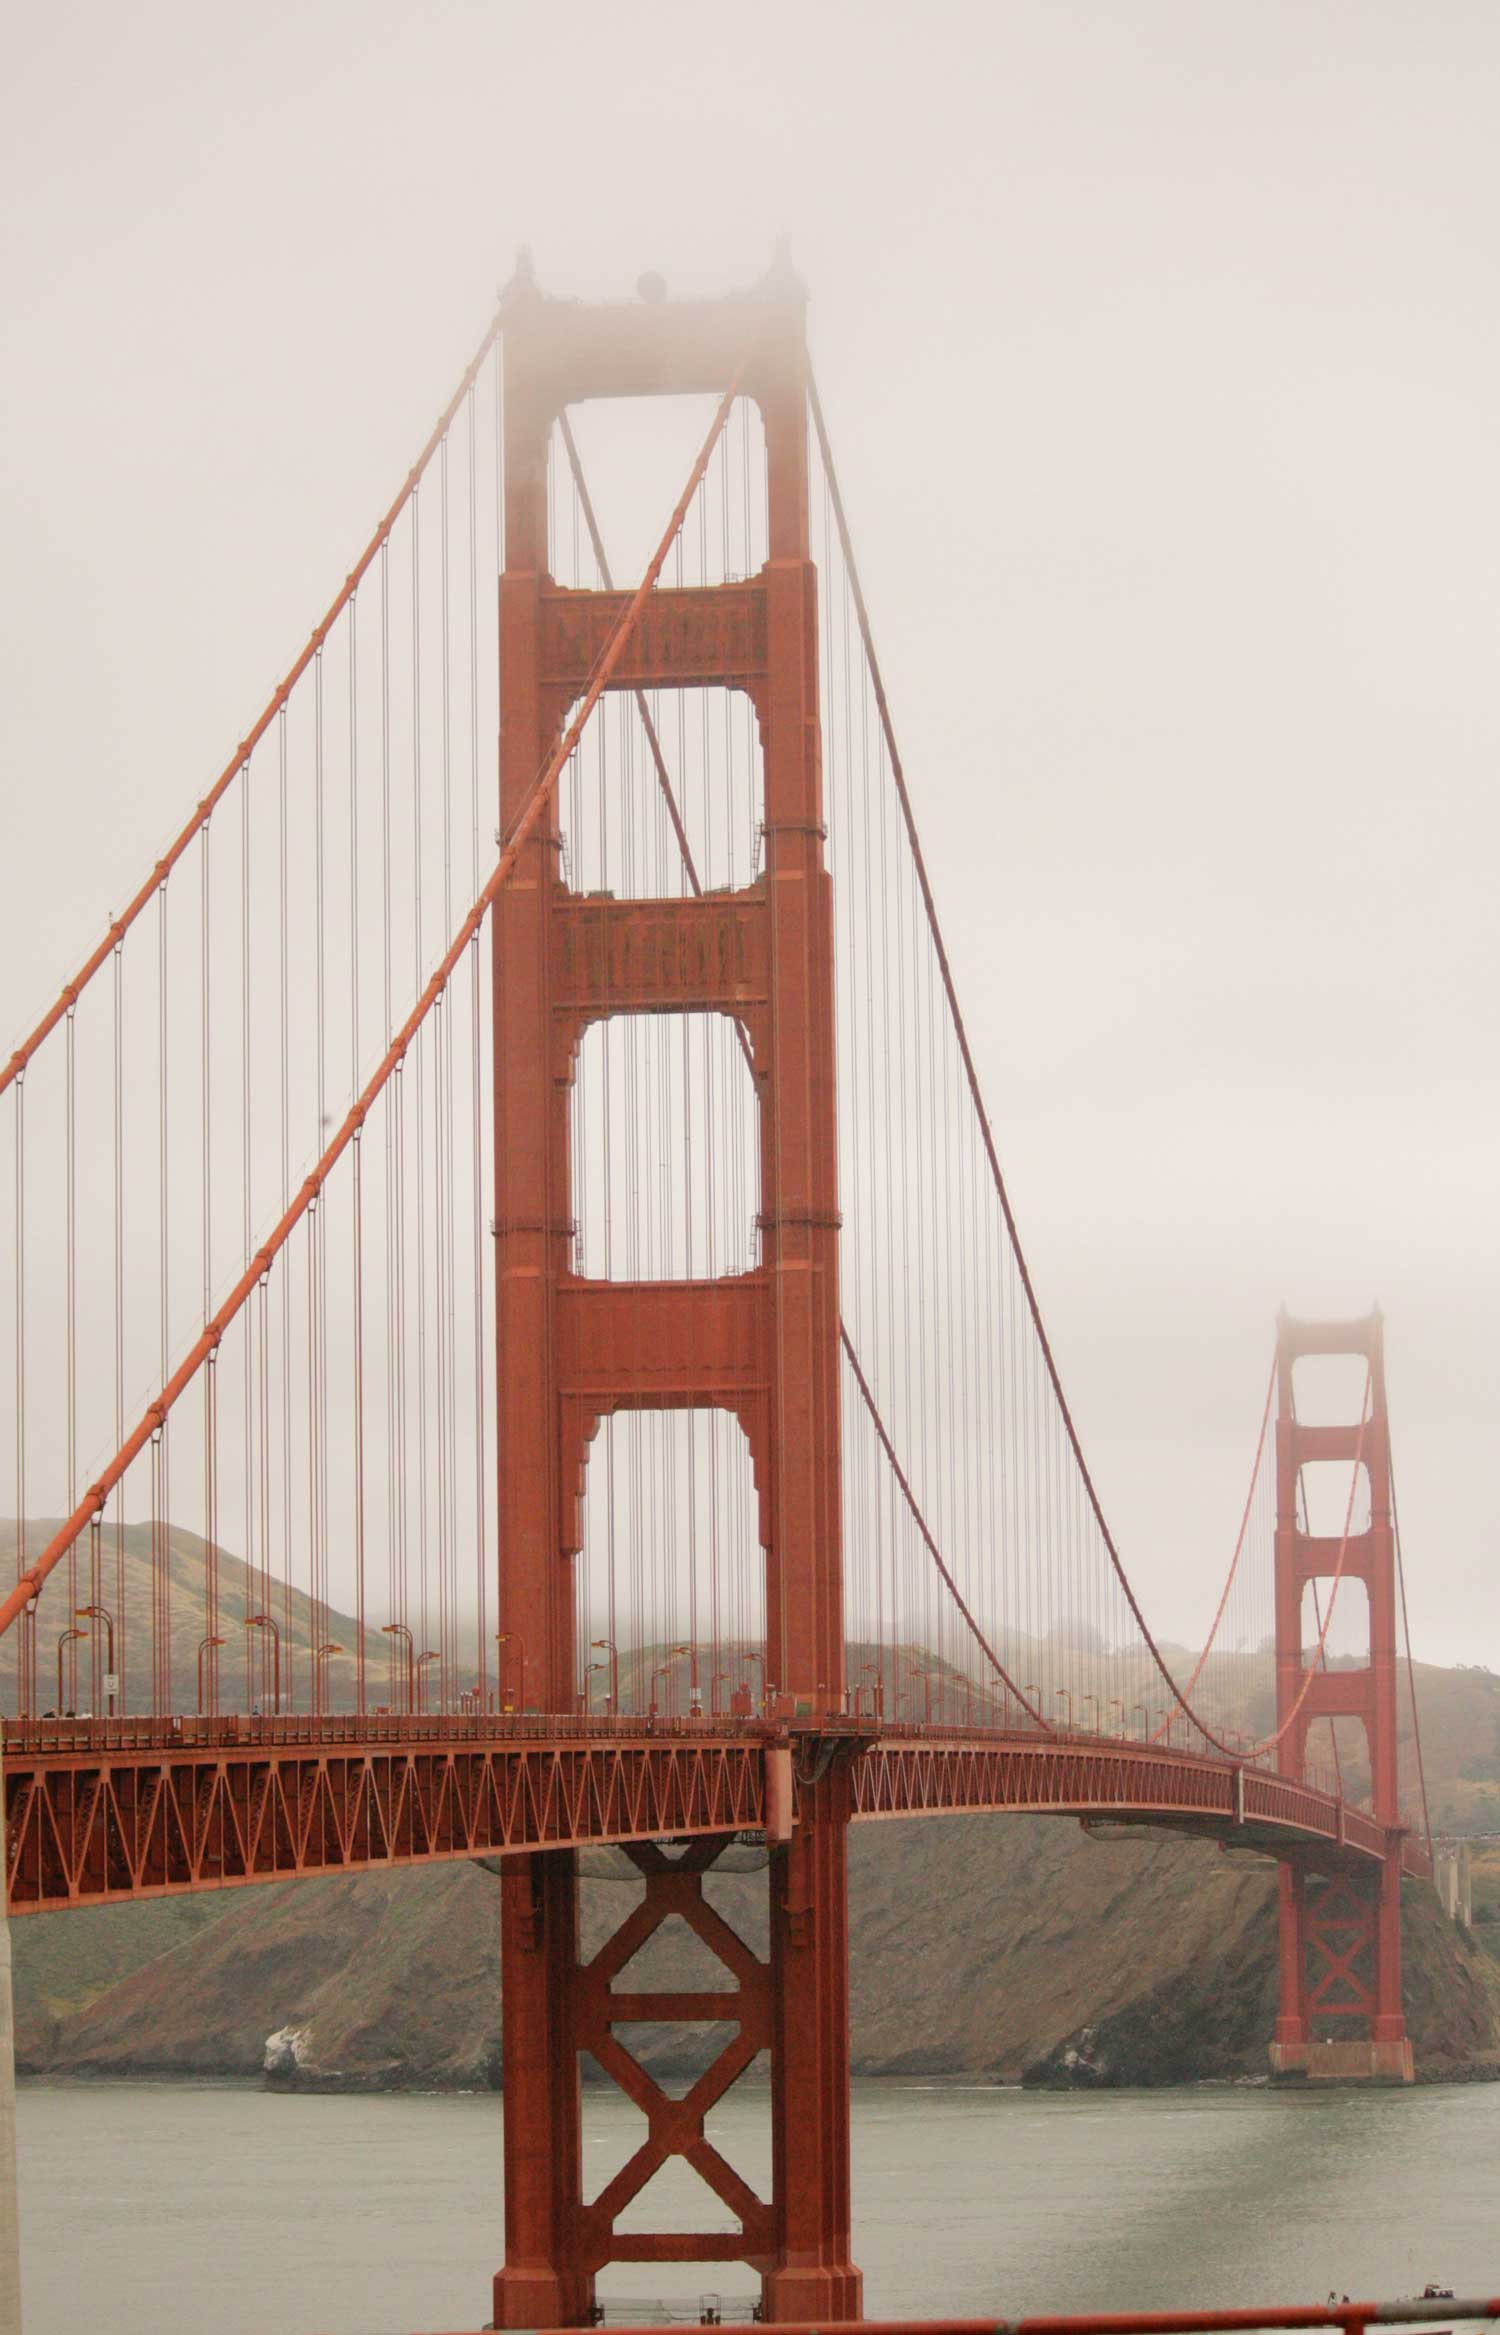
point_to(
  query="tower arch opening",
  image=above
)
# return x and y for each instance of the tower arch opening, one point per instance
(665, 1149)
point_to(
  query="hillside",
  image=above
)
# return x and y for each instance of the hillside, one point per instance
(991, 1946)
(1459, 1708)
(239, 1595)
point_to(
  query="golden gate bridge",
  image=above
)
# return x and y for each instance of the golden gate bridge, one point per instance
(565, 1248)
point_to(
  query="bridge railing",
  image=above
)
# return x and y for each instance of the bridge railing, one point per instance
(248, 1730)
(1350, 2318)
(1254, 1794)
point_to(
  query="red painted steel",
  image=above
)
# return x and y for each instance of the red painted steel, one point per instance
(161, 1806)
(597, 2006)
(1340, 1935)
(919, 1774)
(100, 1810)
(1350, 2316)
(762, 1344)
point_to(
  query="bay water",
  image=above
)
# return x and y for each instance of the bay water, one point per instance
(151, 2207)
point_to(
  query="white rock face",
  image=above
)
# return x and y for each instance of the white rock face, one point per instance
(286, 2051)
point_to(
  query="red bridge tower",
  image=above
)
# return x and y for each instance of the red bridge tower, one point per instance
(1340, 1932)
(763, 1344)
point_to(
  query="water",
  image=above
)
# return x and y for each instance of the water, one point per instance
(150, 2208)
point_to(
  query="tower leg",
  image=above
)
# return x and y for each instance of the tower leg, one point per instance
(542, 2283)
(812, 2275)
(796, 2007)
(1289, 2048)
(1390, 2046)
(1341, 1966)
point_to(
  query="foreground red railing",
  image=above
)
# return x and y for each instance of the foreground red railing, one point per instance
(1350, 2317)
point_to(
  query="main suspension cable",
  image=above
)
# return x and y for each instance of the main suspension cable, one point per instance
(69, 995)
(1234, 1562)
(1411, 1675)
(151, 1428)
(971, 1074)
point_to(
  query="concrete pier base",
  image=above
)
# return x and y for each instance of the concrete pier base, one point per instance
(1365, 2062)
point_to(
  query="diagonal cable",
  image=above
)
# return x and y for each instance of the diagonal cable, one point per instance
(971, 1075)
(140, 900)
(29, 1583)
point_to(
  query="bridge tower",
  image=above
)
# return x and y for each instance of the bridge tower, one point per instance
(1340, 1933)
(763, 1344)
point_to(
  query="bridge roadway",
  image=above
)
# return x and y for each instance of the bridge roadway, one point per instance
(101, 1810)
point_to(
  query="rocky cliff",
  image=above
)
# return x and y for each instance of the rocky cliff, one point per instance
(995, 1947)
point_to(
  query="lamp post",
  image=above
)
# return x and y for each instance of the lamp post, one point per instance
(1117, 1705)
(101, 1613)
(400, 1630)
(267, 1621)
(514, 1638)
(674, 1655)
(1034, 1692)
(205, 1645)
(65, 1638)
(926, 1677)
(1094, 1699)
(320, 1656)
(1145, 1720)
(608, 1646)
(422, 1661)
(1065, 1694)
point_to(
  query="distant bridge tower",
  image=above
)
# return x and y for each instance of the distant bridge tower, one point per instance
(762, 1344)
(1340, 1932)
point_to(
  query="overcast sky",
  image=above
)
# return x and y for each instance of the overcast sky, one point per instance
(1161, 349)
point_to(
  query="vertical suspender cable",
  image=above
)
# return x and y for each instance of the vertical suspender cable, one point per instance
(1411, 1676)
(70, 1204)
(357, 1166)
(251, 1486)
(419, 1114)
(284, 1005)
(26, 1657)
(161, 1506)
(205, 1671)
(477, 1222)
(121, 1617)
(359, 1429)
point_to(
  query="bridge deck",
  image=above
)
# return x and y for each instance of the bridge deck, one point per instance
(102, 1810)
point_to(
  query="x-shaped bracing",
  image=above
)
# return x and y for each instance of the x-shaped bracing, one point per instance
(1340, 1927)
(674, 1885)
